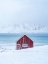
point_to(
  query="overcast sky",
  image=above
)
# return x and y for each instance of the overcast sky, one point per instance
(24, 11)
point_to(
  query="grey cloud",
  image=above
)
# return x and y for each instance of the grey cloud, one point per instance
(24, 11)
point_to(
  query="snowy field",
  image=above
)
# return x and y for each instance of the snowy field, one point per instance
(35, 55)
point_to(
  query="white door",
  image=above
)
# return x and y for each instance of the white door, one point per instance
(18, 46)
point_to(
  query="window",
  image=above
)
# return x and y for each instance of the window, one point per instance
(24, 45)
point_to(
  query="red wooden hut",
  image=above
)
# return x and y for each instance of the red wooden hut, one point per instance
(24, 42)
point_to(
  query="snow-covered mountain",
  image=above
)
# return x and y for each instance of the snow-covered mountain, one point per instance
(23, 28)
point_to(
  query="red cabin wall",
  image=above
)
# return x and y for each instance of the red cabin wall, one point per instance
(26, 41)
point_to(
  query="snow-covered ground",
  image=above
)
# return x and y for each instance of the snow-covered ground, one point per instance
(35, 55)
(23, 28)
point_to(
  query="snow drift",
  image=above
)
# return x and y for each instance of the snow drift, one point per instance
(36, 55)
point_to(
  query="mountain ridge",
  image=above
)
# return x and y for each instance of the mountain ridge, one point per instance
(23, 28)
